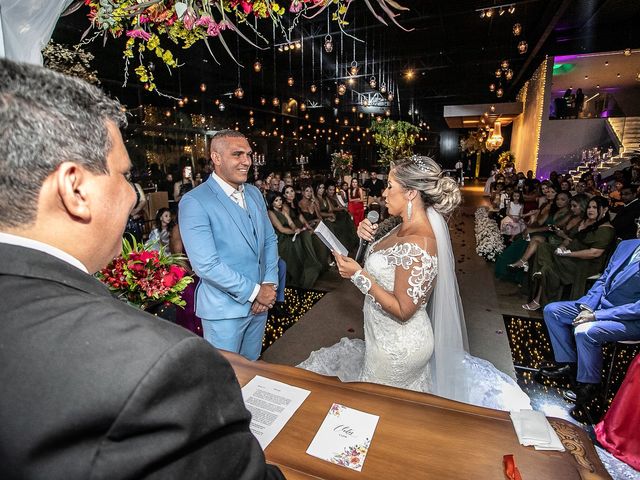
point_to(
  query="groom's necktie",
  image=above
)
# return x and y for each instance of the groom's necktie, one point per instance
(238, 197)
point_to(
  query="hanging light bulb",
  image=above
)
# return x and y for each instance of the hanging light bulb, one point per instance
(517, 29)
(342, 89)
(499, 92)
(257, 66)
(387, 113)
(390, 97)
(328, 44)
(313, 88)
(238, 93)
(203, 87)
(498, 72)
(180, 103)
(290, 81)
(276, 102)
(509, 74)
(353, 69)
(252, 121)
(221, 107)
(336, 101)
(522, 47)
(365, 102)
(504, 64)
(303, 107)
(492, 87)
(492, 108)
(263, 101)
(321, 119)
(373, 82)
(383, 87)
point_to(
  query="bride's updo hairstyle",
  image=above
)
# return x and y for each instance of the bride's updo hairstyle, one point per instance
(425, 175)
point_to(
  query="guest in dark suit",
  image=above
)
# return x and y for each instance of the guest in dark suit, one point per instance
(91, 387)
(625, 220)
(609, 312)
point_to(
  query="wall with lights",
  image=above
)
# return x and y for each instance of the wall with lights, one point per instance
(527, 127)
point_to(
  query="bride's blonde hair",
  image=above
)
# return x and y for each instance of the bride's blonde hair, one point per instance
(423, 174)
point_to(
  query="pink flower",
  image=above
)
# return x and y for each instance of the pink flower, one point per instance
(246, 7)
(204, 21)
(213, 30)
(139, 33)
(189, 20)
(296, 6)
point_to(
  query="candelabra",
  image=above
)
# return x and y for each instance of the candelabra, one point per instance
(302, 160)
(258, 161)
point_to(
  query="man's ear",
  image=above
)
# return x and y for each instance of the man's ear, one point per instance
(71, 182)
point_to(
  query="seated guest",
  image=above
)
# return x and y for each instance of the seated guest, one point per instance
(375, 187)
(92, 387)
(625, 220)
(294, 247)
(161, 233)
(584, 257)
(343, 224)
(615, 196)
(609, 312)
(309, 207)
(512, 224)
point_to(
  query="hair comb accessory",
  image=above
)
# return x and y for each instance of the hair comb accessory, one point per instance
(421, 164)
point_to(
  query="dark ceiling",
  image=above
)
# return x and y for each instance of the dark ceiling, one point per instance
(452, 51)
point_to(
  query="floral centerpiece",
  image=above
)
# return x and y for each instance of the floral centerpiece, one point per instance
(341, 163)
(489, 241)
(144, 277)
(148, 23)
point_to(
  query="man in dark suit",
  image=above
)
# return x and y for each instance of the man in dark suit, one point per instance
(91, 387)
(609, 312)
(626, 217)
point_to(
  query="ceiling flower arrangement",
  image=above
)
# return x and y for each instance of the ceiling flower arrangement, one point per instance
(70, 61)
(154, 27)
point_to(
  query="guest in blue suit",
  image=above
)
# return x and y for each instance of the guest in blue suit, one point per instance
(232, 248)
(609, 312)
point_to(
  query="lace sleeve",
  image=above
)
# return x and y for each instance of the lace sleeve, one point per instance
(415, 272)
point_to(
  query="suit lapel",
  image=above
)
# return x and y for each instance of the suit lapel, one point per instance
(236, 213)
(624, 271)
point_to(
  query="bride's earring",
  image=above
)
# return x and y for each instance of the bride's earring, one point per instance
(409, 210)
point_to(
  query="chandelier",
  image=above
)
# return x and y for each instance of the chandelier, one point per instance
(495, 140)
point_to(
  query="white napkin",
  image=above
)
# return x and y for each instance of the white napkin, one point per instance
(533, 429)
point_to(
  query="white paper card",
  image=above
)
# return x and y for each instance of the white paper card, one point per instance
(344, 437)
(329, 239)
(533, 429)
(271, 404)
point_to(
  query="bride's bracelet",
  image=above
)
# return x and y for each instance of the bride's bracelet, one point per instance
(361, 282)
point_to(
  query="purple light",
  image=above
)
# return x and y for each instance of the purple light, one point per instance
(566, 58)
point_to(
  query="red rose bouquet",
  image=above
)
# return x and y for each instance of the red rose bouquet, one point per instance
(145, 277)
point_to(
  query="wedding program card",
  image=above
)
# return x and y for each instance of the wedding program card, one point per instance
(344, 437)
(271, 404)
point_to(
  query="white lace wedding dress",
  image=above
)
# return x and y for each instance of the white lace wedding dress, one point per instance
(400, 354)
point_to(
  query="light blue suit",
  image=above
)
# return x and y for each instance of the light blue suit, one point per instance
(231, 250)
(615, 301)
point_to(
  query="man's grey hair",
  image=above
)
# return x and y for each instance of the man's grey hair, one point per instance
(46, 119)
(221, 135)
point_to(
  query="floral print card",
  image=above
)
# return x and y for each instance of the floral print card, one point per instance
(344, 437)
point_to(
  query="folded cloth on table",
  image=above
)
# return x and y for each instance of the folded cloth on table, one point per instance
(533, 429)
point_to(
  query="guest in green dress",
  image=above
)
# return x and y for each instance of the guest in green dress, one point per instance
(344, 226)
(294, 245)
(310, 210)
(585, 256)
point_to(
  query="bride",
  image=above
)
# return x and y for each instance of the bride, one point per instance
(415, 334)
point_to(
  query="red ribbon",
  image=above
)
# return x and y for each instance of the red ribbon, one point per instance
(510, 469)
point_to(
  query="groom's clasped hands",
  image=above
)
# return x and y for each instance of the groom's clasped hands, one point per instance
(265, 299)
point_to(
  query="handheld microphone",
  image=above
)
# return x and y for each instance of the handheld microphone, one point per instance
(373, 216)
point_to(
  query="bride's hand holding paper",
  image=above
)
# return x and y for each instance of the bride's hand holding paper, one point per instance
(347, 266)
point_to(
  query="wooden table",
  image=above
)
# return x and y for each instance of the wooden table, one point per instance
(419, 436)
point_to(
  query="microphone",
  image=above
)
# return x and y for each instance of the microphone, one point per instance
(373, 216)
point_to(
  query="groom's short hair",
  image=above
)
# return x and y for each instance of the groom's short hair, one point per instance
(222, 135)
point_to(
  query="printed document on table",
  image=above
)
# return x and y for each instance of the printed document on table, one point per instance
(271, 404)
(329, 239)
(344, 437)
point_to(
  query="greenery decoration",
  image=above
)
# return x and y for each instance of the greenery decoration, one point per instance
(395, 139)
(70, 61)
(474, 143)
(505, 158)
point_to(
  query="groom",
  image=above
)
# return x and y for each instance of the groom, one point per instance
(233, 249)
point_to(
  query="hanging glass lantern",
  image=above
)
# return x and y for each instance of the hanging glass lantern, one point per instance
(180, 103)
(252, 121)
(303, 106)
(353, 69)
(504, 64)
(365, 102)
(328, 44)
(517, 29)
(499, 92)
(387, 113)
(238, 92)
(321, 119)
(342, 89)
(221, 107)
(203, 87)
(383, 87)
(492, 87)
(373, 82)
(522, 47)
(263, 101)
(508, 74)
(498, 72)
(290, 81)
(257, 66)
(276, 102)
(313, 88)
(492, 108)
(390, 97)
